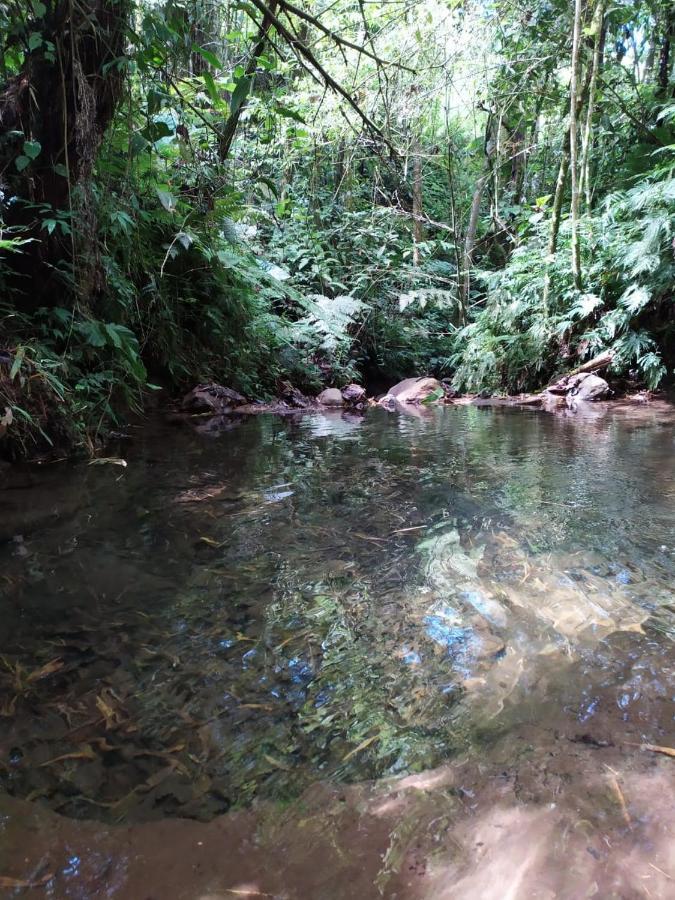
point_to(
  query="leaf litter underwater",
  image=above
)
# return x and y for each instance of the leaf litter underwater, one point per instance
(327, 598)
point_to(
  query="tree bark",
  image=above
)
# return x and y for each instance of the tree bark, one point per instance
(417, 207)
(469, 244)
(62, 101)
(574, 146)
(598, 28)
(556, 210)
(665, 62)
(232, 123)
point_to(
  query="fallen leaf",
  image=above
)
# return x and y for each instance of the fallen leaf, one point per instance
(48, 669)
(108, 461)
(277, 763)
(210, 541)
(362, 746)
(654, 748)
(7, 882)
(86, 753)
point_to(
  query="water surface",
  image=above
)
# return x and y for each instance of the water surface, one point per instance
(328, 597)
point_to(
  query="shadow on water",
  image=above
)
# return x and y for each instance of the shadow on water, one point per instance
(335, 598)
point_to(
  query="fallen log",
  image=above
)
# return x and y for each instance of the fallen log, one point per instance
(593, 365)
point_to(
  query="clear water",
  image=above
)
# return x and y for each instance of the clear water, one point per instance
(237, 616)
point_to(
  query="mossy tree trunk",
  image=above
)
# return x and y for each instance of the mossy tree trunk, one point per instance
(53, 115)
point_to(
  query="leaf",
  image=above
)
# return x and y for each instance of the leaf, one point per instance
(210, 541)
(263, 179)
(212, 90)
(137, 144)
(289, 113)
(48, 669)
(109, 713)
(362, 746)
(108, 461)
(32, 149)
(21, 162)
(655, 748)
(433, 397)
(240, 93)
(277, 763)
(167, 199)
(207, 56)
(35, 40)
(87, 753)
(155, 131)
(16, 365)
(20, 883)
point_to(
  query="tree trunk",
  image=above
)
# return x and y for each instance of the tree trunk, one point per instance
(598, 28)
(469, 244)
(61, 103)
(574, 145)
(556, 211)
(417, 207)
(230, 129)
(665, 62)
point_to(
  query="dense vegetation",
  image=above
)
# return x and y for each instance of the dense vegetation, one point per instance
(262, 190)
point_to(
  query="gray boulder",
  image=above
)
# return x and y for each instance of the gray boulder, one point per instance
(330, 397)
(414, 390)
(589, 387)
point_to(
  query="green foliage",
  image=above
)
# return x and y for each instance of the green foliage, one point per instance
(331, 239)
(625, 306)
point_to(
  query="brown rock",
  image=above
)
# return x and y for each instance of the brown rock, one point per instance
(213, 398)
(354, 394)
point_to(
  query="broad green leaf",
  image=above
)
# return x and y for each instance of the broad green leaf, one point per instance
(212, 90)
(208, 56)
(289, 113)
(137, 144)
(32, 149)
(434, 396)
(21, 162)
(167, 199)
(16, 365)
(34, 40)
(155, 131)
(240, 93)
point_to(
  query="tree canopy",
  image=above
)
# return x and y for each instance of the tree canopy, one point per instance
(264, 191)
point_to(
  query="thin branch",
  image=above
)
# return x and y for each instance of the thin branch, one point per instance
(326, 76)
(291, 8)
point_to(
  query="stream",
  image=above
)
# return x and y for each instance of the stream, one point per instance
(231, 619)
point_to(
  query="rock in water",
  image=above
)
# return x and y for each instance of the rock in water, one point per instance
(354, 395)
(330, 397)
(292, 396)
(590, 387)
(414, 390)
(213, 398)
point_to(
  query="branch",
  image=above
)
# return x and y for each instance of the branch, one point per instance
(291, 8)
(301, 48)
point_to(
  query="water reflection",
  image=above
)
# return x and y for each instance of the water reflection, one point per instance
(235, 616)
